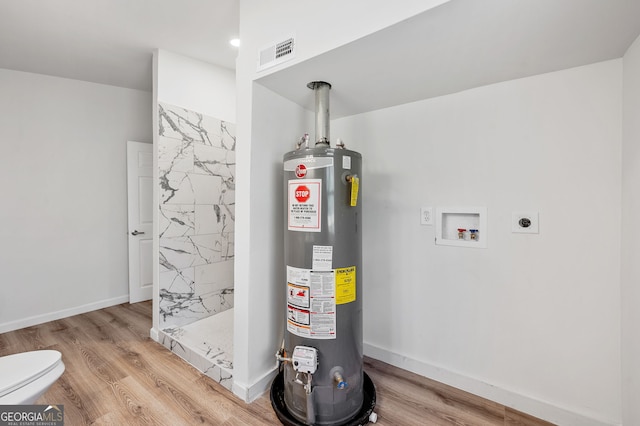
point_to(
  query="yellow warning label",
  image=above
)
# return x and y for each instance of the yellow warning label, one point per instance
(345, 285)
(355, 184)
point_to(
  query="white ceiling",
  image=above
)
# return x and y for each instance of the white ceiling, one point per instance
(111, 41)
(460, 45)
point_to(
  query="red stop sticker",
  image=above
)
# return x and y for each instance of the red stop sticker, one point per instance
(302, 194)
(301, 170)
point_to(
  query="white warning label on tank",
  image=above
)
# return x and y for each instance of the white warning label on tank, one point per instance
(346, 162)
(304, 205)
(323, 285)
(311, 303)
(322, 258)
(297, 295)
(299, 317)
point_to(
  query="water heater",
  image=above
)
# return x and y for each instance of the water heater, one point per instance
(321, 379)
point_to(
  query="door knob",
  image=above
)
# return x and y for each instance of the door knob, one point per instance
(136, 232)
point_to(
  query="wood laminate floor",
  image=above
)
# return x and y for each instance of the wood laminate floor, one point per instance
(116, 375)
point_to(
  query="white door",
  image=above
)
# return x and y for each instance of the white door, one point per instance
(140, 192)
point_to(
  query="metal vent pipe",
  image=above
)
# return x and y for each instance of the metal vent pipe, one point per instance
(321, 89)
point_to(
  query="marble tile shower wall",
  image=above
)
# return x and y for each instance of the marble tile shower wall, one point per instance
(196, 162)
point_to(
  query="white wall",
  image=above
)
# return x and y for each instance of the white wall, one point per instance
(533, 321)
(630, 244)
(259, 307)
(267, 127)
(534, 317)
(196, 86)
(64, 214)
(262, 24)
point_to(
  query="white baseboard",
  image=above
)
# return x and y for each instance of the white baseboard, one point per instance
(155, 336)
(252, 392)
(523, 403)
(52, 316)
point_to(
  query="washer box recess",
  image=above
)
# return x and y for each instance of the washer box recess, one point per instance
(452, 219)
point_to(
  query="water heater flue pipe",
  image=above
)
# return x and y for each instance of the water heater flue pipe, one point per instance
(321, 89)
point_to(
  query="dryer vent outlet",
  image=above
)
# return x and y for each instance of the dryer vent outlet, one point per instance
(525, 223)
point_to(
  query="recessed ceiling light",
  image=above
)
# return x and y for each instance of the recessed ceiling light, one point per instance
(235, 42)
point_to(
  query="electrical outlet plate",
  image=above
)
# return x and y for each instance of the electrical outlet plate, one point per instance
(426, 216)
(525, 222)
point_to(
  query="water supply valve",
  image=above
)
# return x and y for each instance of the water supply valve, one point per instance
(305, 359)
(341, 383)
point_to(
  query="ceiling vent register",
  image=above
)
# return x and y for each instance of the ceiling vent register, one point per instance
(276, 53)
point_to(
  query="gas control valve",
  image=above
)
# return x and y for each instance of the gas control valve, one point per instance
(305, 359)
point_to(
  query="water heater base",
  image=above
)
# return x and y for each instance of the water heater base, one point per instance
(361, 419)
